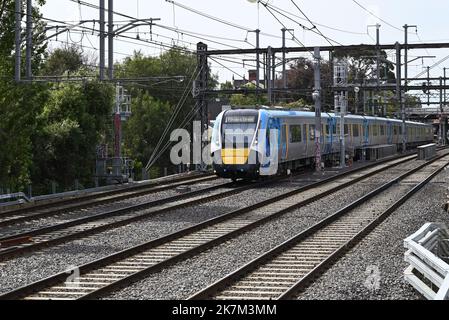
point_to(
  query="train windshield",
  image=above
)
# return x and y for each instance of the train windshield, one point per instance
(239, 128)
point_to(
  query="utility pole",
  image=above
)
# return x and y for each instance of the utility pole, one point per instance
(399, 94)
(444, 74)
(341, 98)
(442, 120)
(284, 71)
(406, 57)
(317, 98)
(428, 85)
(378, 63)
(444, 105)
(111, 39)
(18, 39)
(29, 40)
(121, 112)
(257, 61)
(378, 54)
(273, 71)
(268, 72)
(102, 40)
(202, 114)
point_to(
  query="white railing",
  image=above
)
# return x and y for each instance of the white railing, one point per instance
(428, 254)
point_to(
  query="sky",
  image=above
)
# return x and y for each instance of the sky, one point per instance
(430, 16)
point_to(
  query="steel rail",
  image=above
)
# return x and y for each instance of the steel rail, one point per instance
(190, 230)
(270, 256)
(83, 227)
(94, 195)
(11, 218)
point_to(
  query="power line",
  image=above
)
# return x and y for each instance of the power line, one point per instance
(371, 13)
(267, 6)
(231, 24)
(431, 67)
(384, 21)
(318, 24)
(283, 25)
(314, 26)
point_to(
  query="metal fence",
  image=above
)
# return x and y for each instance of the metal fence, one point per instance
(428, 255)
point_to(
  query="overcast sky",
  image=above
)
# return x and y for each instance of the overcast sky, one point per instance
(346, 15)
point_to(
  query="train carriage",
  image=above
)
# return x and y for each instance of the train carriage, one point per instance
(247, 143)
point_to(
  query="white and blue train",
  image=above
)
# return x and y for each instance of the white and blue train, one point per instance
(243, 144)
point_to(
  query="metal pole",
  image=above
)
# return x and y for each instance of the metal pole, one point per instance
(342, 131)
(273, 70)
(102, 42)
(428, 84)
(442, 127)
(444, 98)
(378, 54)
(364, 98)
(111, 39)
(406, 59)
(399, 94)
(317, 96)
(29, 40)
(406, 56)
(284, 73)
(268, 72)
(202, 114)
(257, 60)
(18, 40)
(378, 63)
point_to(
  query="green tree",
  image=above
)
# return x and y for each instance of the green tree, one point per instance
(72, 123)
(19, 103)
(63, 60)
(251, 99)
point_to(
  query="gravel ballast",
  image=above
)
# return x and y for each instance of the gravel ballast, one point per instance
(186, 278)
(374, 268)
(35, 266)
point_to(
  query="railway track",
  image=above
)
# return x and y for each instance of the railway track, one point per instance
(114, 271)
(290, 267)
(30, 240)
(41, 211)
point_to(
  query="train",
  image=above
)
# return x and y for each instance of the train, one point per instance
(250, 143)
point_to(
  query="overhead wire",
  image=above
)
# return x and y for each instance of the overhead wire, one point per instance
(374, 15)
(314, 26)
(174, 114)
(267, 5)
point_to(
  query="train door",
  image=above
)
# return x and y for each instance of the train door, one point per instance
(284, 137)
(365, 132)
(272, 149)
(389, 133)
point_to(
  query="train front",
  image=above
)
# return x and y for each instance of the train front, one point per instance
(234, 144)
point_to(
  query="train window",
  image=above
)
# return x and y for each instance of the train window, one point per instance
(395, 130)
(311, 132)
(327, 129)
(334, 129)
(382, 130)
(400, 129)
(355, 130)
(295, 133)
(346, 129)
(374, 129)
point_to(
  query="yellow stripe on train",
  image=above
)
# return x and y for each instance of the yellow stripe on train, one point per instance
(235, 156)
